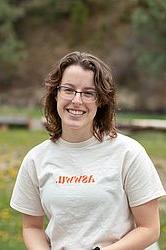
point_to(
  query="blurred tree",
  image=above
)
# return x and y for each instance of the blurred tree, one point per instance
(11, 48)
(148, 21)
(130, 33)
(79, 14)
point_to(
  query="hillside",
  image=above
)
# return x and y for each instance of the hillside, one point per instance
(103, 29)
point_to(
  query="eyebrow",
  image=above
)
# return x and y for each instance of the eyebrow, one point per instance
(85, 88)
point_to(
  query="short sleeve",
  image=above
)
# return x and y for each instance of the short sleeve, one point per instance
(142, 182)
(26, 196)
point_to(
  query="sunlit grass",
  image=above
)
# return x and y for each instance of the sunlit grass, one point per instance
(22, 137)
(154, 142)
(131, 115)
(32, 112)
(14, 144)
(10, 223)
(162, 240)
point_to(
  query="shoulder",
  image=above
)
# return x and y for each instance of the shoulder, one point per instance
(127, 141)
(40, 149)
(37, 155)
(126, 144)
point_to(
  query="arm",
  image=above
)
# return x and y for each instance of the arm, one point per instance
(33, 233)
(147, 228)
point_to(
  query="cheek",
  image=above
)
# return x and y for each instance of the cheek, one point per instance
(60, 106)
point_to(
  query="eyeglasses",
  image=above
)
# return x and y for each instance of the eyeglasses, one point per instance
(69, 93)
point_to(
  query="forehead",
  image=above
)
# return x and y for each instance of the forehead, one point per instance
(76, 75)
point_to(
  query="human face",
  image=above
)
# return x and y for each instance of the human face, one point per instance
(76, 115)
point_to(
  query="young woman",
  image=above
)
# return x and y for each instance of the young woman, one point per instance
(98, 188)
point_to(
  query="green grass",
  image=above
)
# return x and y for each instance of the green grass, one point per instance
(131, 115)
(22, 137)
(163, 230)
(34, 112)
(154, 142)
(10, 223)
(13, 146)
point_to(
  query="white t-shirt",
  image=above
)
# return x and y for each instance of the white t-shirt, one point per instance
(86, 189)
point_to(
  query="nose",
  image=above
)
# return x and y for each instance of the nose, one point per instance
(77, 98)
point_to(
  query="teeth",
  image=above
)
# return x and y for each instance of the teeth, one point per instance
(75, 112)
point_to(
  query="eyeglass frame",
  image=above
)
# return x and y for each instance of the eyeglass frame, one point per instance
(79, 92)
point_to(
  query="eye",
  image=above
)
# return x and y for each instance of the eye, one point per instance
(68, 90)
(89, 94)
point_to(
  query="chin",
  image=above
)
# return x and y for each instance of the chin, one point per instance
(74, 126)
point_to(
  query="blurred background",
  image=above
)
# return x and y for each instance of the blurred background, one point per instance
(130, 36)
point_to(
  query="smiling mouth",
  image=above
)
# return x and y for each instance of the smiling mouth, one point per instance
(75, 112)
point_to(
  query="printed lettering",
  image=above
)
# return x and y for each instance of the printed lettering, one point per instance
(69, 179)
(62, 179)
(91, 179)
(75, 179)
(84, 178)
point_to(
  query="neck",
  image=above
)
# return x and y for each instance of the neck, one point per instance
(76, 136)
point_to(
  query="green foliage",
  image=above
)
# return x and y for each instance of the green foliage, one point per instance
(79, 14)
(148, 20)
(11, 48)
(49, 10)
(8, 12)
(93, 25)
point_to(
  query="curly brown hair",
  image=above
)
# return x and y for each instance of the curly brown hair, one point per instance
(104, 120)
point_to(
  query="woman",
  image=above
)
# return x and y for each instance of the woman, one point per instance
(98, 188)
